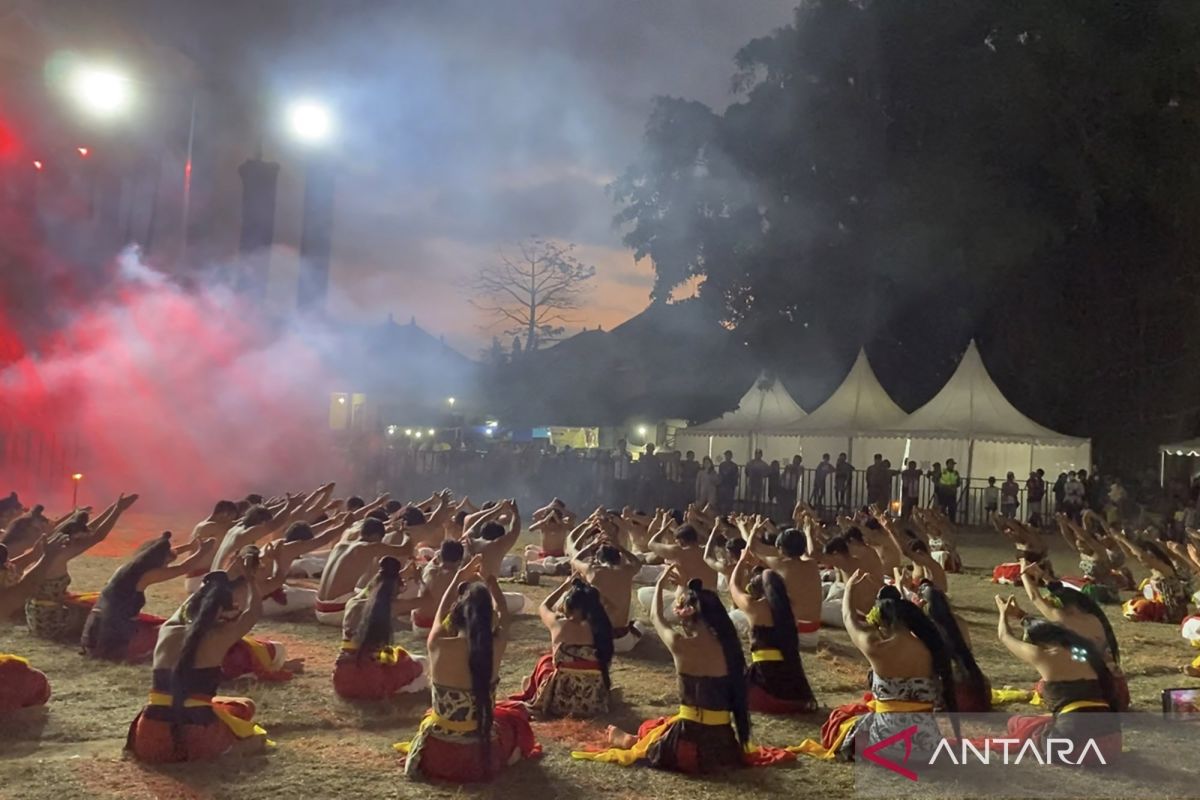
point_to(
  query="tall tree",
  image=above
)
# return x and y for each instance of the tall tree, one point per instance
(530, 292)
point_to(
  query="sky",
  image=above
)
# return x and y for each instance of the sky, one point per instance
(466, 126)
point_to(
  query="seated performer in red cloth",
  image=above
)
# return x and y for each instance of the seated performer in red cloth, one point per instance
(369, 666)
(1077, 687)
(184, 720)
(22, 686)
(711, 732)
(468, 737)
(572, 679)
(972, 688)
(116, 629)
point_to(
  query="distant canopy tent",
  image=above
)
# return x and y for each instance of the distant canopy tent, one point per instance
(854, 420)
(1179, 461)
(766, 418)
(972, 422)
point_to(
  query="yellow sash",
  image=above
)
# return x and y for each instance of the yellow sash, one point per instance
(1002, 697)
(627, 757)
(7, 658)
(1080, 704)
(815, 749)
(765, 655)
(432, 718)
(385, 655)
(241, 728)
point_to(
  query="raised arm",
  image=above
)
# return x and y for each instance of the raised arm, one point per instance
(13, 597)
(548, 609)
(665, 632)
(200, 554)
(740, 578)
(861, 635)
(1009, 610)
(466, 573)
(659, 546)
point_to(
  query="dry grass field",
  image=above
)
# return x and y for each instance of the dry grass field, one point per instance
(329, 748)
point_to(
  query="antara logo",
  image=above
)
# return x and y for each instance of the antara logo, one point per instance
(871, 753)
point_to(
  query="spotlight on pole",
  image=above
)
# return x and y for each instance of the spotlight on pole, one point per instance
(101, 91)
(310, 122)
(38, 165)
(84, 152)
(75, 479)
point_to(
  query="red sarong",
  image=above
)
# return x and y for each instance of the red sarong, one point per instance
(152, 740)
(458, 761)
(369, 678)
(255, 657)
(21, 686)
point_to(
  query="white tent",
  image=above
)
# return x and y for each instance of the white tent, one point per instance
(1189, 449)
(766, 418)
(852, 419)
(972, 422)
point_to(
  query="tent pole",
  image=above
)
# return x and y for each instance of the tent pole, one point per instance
(970, 467)
(1162, 470)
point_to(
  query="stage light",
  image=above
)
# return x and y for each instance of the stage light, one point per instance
(391, 430)
(489, 431)
(641, 431)
(37, 165)
(450, 400)
(342, 400)
(408, 431)
(432, 432)
(101, 91)
(83, 152)
(310, 122)
(417, 435)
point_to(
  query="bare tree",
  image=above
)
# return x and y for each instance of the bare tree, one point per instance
(528, 292)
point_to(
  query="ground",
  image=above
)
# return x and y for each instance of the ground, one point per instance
(328, 748)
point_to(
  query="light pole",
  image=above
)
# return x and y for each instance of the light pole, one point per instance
(312, 124)
(75, 479)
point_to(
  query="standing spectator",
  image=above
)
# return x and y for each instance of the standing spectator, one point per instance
(948, 485)
(991, 498)
(650, 480)
(1035, 495)
(773, 486)
(756, 480)
(1074, 494)
(790, 482)
(910, 489)
(602, 471)
(1093, 490)
(1010, 496)
(889, 476)
(1060, 492)
(1118, 500)
(689, 468)
(622, 464)
(673, 483)
(843, 473)
(727, 487)
(935, 478)
(876, 478)
(708, 484)
(820, 476)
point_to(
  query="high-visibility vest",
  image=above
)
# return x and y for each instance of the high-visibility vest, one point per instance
(949, 478)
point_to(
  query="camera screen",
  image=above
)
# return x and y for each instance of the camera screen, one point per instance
(1181, 704)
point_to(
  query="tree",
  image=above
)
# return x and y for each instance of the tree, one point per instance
(909, 175)
(529, 292)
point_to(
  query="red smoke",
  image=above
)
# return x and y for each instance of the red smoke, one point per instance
(184, 396)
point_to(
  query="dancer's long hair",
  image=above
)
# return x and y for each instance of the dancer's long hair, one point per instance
(707, 604)
(938, 609)
(1044, 633)
(770, 585)
(473, 614)
(375, 628)
(202, 612)
(1073, 598)
(894, 611)
(585, 598)
(108, 639)
(23, 530)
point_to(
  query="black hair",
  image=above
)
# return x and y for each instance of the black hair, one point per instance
(836, 545)
(895, 610)
(609, 554)
(355, 503)
(372, 530)
(853, 534)
(450, 551)
(10, 503)
(3, 555)
(254, 499)
(375, 628)
(22, 531)
(298, 532)
(917, 546)
(676, 515)
(413, 516)
(1159, 552)
(473, 615)
(107, 635)
(202, 612)
(775, 592)
(686, 534)
(710, 609)
(872, 524)
(256, 515)
(585, 598)
(459, 517)
(242, 507)
(225, 507)
(392, 506)
(938, 609)
(792, 543)
(1043, 632)
(735, 547)
(491, 531)
(1069, 597)
(379, 514)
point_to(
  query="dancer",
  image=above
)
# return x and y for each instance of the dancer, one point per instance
(1076, 684)
(185, 719)
(299, 540)
(552, 522)
(711, 732)
(434, 581)
(369, 666)
(1079, 613)
(972, 688)
(348, 563)
(838, 555)
(1031, 547)
(777, 683)
(116, 629)
(611, 569)
(22, 531)
(801, 575)
(1164, 594)
(911, 674)
(22, 686)
(572, 679)
(488, 536)
(53, 612)
(686, 553)
(468, 737)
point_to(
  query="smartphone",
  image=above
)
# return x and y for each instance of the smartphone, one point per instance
(1181, 704)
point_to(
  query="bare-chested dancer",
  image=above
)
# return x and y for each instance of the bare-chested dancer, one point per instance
(492, 533)
(352, 561)
(609, 567)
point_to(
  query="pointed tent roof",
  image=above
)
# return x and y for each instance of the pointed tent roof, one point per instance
(765, 408)
(970, 405)
(1190, 447)
(859, 405)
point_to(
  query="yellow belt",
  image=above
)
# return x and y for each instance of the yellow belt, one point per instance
(242, 728)
(765, 655)
(385, 655)
(705, 716)
(898, 706)
(1080, 704)
(432, 718)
